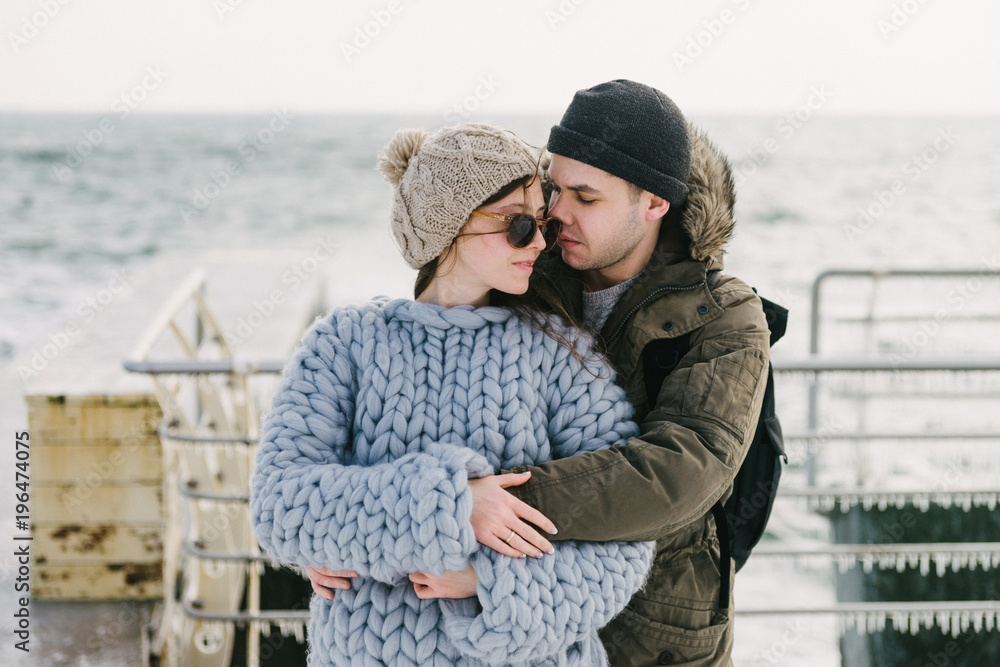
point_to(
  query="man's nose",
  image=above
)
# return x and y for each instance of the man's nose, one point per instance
(556, 210)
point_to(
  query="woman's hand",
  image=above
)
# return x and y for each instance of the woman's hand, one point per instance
(324, 580)
(449, 585)
(496, 517)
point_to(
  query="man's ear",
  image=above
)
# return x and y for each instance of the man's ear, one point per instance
(656, 208)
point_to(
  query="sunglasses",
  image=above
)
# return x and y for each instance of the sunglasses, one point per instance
(521, 228)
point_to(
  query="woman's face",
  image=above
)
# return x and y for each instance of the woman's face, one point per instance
(482, 261)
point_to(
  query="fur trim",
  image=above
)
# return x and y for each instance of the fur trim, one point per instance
(708, 212)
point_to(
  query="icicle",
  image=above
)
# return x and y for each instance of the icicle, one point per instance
(900, 621)
(300, 632)
(866, 563)
(977, 622)
(943, 500)
(925, 564)
(939, 564)
(962, 561)
(859, 622)
(883, 503)
(922, 502)
(827, 503)
(956, 624)
(943, 621)
(965, 621)
(901, 562)
(986, 499)
(844, 562)
(928, 619)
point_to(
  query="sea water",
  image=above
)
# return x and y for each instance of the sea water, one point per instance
(86, 201)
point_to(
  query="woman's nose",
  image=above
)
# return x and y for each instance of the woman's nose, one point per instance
(538, 240)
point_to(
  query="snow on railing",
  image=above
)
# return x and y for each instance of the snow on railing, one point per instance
(827, 499)
(951, 618)
(897, 556)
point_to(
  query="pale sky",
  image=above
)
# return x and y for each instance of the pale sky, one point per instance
(878, 57)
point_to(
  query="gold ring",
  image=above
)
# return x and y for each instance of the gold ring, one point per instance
(512, 534)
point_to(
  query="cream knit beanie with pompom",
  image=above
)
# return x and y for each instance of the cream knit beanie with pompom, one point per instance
(439, 179)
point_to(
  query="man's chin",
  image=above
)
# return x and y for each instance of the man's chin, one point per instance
(570, 258)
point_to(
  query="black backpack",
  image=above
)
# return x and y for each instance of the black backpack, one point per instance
(740, 522)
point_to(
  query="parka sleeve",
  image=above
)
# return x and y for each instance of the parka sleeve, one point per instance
(532, 608)
(309, 508)
(692, 443)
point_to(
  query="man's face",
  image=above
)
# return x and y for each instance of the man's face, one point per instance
(603, 224)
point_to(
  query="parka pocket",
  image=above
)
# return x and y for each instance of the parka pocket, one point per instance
(632, 640)
(736, 374)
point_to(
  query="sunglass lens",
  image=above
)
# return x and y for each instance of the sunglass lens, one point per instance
(521, 231)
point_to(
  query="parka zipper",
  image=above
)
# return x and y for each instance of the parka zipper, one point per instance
(638, 306)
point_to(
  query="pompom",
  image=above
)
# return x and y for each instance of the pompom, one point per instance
(398, 152)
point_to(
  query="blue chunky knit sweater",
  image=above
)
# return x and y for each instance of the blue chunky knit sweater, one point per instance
(380, 420)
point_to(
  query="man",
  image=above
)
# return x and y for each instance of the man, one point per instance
(647, 205)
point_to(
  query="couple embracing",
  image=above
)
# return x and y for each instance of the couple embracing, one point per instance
(481, 475)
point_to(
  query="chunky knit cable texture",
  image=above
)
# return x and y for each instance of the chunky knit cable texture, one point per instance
(380, 420)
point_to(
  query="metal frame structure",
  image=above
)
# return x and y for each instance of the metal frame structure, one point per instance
(193, 433)
(209, 436)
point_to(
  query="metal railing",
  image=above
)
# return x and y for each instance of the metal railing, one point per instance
(209, 438)
(189, 432)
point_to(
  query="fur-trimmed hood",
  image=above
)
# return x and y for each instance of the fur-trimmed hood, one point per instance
(708, 211)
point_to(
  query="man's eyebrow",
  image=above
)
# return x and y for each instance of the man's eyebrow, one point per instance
(583, 188)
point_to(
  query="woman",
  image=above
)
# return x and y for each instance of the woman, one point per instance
(389, 409)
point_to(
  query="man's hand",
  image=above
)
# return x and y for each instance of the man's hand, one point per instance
(324, 580)
(449, 585)
(497, 517)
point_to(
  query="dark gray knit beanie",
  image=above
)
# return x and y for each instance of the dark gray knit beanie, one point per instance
(631, 131)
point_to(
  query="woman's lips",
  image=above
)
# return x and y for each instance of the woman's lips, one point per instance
(525, 266)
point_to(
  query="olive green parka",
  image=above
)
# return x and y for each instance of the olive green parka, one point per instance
(662, 485)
